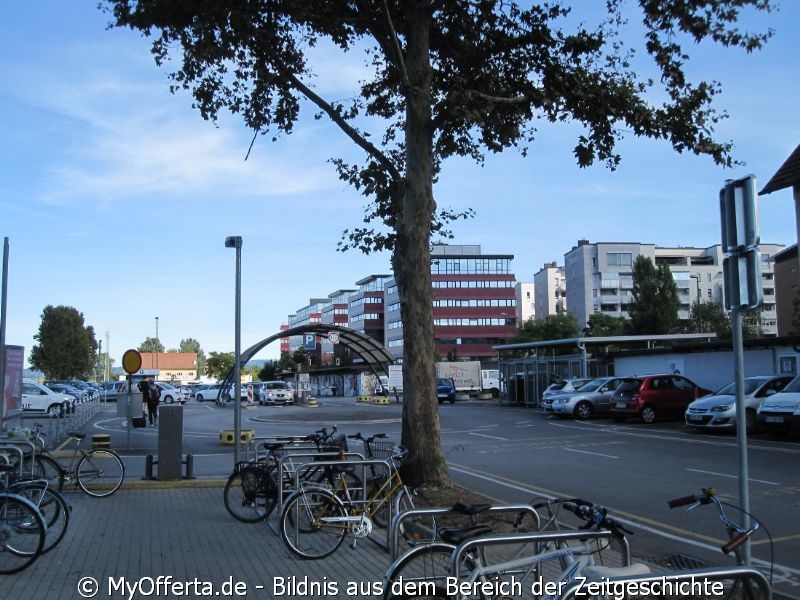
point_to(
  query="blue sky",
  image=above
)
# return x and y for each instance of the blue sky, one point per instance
(116, 196)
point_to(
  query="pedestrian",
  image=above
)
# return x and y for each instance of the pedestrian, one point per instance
(153, 395)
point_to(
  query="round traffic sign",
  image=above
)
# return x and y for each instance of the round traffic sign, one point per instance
(131, 361)
(333, 337)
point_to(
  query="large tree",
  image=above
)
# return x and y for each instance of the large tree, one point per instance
(151, 344)
(655, 303)
(219, 364)
(67, 347)
(553, 327)
(443, 79)
(192, 345)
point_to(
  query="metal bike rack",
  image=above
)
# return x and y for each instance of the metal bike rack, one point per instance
(742, 573)
(539, 536)
(13, 446)
(394, 528)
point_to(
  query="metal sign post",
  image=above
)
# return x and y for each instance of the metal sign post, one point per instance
(131, 363)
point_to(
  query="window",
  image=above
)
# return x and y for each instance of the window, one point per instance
(619, 259)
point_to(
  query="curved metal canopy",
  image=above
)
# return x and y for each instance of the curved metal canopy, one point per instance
(374, 354)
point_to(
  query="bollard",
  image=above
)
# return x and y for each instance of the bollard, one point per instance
(148, 466)
(101, 440)
(189, 462)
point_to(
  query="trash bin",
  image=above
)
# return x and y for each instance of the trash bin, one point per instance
(170, 441)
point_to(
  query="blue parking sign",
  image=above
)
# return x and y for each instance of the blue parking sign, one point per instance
(310, 341)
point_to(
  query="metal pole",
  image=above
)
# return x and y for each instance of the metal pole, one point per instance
(741, 426)
(3, 295)
(236, 242)
(157, 345)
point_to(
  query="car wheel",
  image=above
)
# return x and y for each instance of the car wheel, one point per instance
(199, 397)
(583, 410)
(751, 420)
(169, 399)
(648, 414)
(55, 410)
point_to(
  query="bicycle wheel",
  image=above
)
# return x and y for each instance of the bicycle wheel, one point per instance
(421, 573)
(100, 473)
(22, 533)
(52, 506)
(40, 466)
(329, 476)
(311, 524)
(250, 494)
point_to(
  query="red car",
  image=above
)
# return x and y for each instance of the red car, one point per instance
(652, 397)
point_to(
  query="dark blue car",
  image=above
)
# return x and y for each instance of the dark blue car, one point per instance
(445, 390)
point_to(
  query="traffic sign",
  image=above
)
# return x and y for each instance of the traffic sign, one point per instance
(333, 337)
(310, 341)
(131, 361)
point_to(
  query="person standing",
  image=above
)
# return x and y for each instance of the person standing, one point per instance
(152, 398)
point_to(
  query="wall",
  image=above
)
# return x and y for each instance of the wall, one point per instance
(711, 370)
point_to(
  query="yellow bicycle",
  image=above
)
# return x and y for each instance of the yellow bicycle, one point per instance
(315, 519)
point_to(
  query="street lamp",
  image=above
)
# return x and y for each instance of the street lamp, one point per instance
(156, 342)
(697, 280)
(235, 241)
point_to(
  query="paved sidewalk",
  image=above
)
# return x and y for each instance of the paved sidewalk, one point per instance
(186, 534)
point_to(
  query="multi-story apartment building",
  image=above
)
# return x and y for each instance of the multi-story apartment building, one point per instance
(525, 296)
(366, 307)
(787, 290)
(599, 277)
(172, 366)
(336, 312)
(309, 314)
(550, 291)
(474, 307)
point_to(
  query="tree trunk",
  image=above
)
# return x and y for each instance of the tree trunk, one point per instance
(411, 261)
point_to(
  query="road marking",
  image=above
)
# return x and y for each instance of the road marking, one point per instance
(731, 476)
(492, 437)
(587, 452)
(657, 528)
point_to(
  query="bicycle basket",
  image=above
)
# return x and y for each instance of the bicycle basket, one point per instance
(380, 450)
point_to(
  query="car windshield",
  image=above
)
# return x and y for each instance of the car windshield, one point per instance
(793, 385)
(629, 385)
(277, 385)
(592, 386)
(558, 385)
(750, 386)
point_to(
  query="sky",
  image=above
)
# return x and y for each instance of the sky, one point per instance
(116, 196)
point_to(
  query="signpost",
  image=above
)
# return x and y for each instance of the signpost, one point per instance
(738, 202)
(131, 363)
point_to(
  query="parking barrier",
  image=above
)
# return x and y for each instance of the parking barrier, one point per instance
(101, 440)
(150, 460)
(227, 436)
(312, 401)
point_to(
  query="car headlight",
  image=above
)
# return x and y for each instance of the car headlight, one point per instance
(722, 407)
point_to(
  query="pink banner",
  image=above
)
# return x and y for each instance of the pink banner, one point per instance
(12, 390)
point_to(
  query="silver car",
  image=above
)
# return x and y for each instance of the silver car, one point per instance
(560, 386)
(718, 411)
(593, 398)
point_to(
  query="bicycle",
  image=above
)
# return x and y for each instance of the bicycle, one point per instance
(98, 472)
(22, 530)
(459, 560)
(315, 519)
(737, 535)
(251, 492)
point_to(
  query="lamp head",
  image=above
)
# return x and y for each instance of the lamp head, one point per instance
(233, 241)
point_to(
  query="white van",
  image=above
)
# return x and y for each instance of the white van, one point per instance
(39, 398)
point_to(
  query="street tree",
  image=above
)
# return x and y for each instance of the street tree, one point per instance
(66, 347)
(269, 371)
(444, 80)
(192, 345)
(151, 344)
(553, 327)
(711, 317)
(604, 325)
(655, 303)
(219, 364)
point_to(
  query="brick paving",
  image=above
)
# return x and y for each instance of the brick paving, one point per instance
(187, 534)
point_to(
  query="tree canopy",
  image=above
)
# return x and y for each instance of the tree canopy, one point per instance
(66, 347)
(603, 325)
(192, 345)
(655, 303)
(151, 344)
(443, 80)
(219, 364)
(553, 327)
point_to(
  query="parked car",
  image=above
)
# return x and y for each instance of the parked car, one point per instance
(654, 397)
(593, 398)
(169, 393)
(206, 392)
(781, 412)
(275, 392)
(718, 411)
(40, 398)
(445, 390)
(62, 388)
(561, 386)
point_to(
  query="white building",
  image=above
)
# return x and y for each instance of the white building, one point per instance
(550, 291)
(599, 277)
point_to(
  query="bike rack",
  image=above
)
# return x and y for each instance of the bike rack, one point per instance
(539, 536)
(13, 446)
(394, 528)
(740, 573)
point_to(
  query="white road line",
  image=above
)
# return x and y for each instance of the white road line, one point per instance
(587, 452)
(493, 437)
(731, 476)
(793, 572)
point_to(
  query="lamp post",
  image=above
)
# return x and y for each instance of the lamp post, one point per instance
(697, 282)
(157, 343)
(235, 241)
